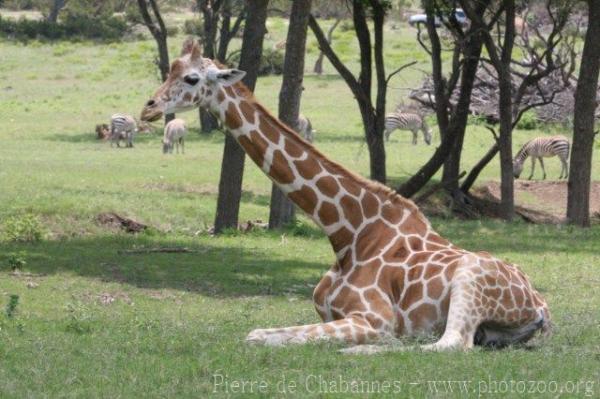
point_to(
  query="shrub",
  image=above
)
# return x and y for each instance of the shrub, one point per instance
(529, 121)
(11, 307)
(16, 261)
(24, 228)
(193, 27)
(73, 26)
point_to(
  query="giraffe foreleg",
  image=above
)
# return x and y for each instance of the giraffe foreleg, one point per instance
(355, 330)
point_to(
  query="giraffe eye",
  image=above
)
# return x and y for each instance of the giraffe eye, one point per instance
(191, 79)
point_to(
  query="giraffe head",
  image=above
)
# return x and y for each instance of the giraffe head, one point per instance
(193, 81)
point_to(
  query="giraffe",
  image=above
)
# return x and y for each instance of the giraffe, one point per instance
(393, 275)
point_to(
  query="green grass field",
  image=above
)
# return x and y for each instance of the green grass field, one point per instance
(94, 320)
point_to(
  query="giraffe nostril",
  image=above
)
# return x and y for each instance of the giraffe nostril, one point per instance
(150, 103)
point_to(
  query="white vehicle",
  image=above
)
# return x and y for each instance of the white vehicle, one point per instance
(459, 14)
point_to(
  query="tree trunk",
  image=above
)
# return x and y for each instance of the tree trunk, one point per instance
(318, 68)
(211, 18)
(282, 209)
(505, 105)
(232, 166)
(57, 5)
(578, 201)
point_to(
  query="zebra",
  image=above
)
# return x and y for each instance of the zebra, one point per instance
(122, 127)
(175, 130)
(407, 121)
(543, 147)
(304, 127)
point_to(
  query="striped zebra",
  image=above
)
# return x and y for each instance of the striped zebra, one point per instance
(543, 147)
(407, 121)
(122, 127)
(304, 127)
(174, 134)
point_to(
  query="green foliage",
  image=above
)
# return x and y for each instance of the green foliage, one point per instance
(72, 27)
(11, 306)
(16, 260)
(194, 27)
(529, 121)
(78, 319)
(23, 228)
(271, 62)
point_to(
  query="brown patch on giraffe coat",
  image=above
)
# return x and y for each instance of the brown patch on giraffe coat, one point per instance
(413, 294)
(352, 210)
(378, 303)
(221, 96)
(232, 117)
(391, 213)
(187, 97)
(280, 169)
(268, 130)
(293, 149)
(247, 111)
(432, 270)
(518, 295)
(436, 239)
(450, 270)
(364, 275)
(435, 288)
(398, 252)
(348, 300)
(230, 92)
(350, 186)
(372, 238)
(255, 146)
(328, 186)
(308, 168)
(328, 213)
(415, 243)
(305, 198)
(419, 257)
(370, 205)
(341, 238)
(423, 316)
(415, 273)
(414, 225)
(391, 280)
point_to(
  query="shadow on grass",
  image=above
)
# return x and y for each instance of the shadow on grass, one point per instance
(210, 268)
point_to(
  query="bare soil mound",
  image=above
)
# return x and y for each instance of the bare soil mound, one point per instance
(542, 197)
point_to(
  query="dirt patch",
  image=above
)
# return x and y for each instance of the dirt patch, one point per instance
(547, 197)
(113, 220)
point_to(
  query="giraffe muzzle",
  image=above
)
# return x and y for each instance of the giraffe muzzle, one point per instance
(151, 113)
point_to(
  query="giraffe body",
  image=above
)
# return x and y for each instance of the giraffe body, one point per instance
(393, 275)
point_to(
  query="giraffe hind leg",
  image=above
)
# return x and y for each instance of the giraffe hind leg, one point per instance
(491, 336)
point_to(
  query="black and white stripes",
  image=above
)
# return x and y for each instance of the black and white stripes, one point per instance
(407, 121)
(122, 127)
(543, 147)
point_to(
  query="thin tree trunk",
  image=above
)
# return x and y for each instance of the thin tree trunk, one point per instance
(578, 200)
(318, 68)
(57, 5)
(232, 166)
(282, 209)
(210, 10)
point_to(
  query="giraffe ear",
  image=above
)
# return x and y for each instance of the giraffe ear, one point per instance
(191, 46)
(226, 77)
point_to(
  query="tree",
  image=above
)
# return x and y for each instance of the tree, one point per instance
(213, 12)
(318, 68)
(157, 28)
(452, 118)
(372, 113)
(232, 166)
(55, 7)
(578, 200)
(540, 63)
(282, 209)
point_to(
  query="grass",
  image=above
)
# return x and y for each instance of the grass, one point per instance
(94, 321)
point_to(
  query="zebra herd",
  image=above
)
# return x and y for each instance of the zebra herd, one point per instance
(124, 127)
(537, 148)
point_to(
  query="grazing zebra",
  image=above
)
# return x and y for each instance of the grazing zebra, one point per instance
(543, 147)
(304, 127)
(174, 133)
(122, 127)
(407, 121)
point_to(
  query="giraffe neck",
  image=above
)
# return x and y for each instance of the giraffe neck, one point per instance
(341, 203)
